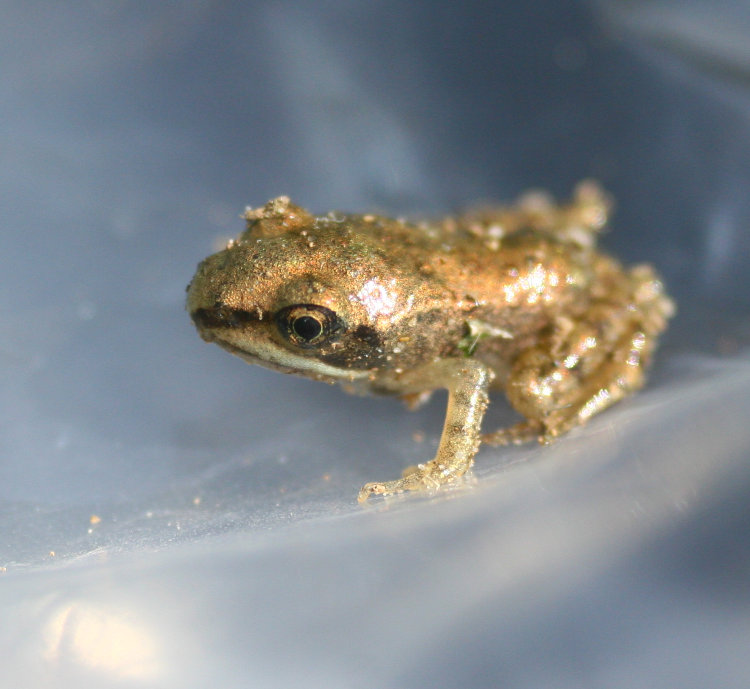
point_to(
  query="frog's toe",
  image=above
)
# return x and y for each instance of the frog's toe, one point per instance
(385, 488)
(371, 489)
(417, 479)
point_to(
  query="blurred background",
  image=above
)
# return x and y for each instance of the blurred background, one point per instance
(170, 517)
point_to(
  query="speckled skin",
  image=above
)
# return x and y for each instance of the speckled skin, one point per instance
(513, 298)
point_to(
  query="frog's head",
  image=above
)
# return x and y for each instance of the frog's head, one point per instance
(316, 296)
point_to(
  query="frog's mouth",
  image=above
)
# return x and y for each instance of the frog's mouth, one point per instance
(251, 358)
(217, 324)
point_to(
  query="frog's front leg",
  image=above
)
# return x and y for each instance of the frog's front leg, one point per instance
(467, 382)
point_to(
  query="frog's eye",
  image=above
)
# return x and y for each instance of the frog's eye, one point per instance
(307, 328)
(307, 325)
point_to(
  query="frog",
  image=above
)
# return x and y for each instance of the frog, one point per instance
(515, 298)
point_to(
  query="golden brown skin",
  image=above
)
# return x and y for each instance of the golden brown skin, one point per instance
(514, 298)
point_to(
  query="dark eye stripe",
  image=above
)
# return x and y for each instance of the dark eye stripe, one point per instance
(223, 317)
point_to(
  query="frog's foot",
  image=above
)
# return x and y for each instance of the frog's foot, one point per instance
(518, 434)
(418, 478)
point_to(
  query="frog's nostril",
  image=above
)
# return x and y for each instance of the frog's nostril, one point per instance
(203, 318)
(217, 317)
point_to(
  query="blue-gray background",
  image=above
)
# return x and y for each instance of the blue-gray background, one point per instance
(170, 517)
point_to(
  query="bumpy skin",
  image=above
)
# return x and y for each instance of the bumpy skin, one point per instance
(514, 298)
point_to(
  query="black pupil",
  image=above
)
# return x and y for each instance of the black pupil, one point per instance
(307, 327)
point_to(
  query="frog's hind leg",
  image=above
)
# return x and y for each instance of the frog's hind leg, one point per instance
(577, 222)
(585, 365)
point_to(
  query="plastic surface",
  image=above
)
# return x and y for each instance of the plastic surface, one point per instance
(170, 517)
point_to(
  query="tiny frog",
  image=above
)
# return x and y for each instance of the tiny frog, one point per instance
(514, 298)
